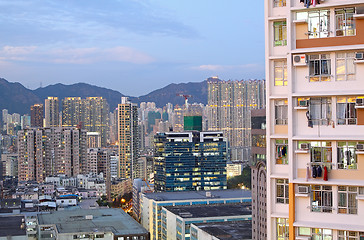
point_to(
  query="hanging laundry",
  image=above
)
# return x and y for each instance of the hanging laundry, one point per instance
(319, 171)
(325, 173)
(314, 172)
(314, 3)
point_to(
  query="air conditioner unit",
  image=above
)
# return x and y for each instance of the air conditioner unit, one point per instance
(303, 103)
(303, 189)
(304, 146)
(300, 60)
(360, 147)
(359, 102)
(359, 56)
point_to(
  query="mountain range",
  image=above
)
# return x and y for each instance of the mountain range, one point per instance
(18, 99)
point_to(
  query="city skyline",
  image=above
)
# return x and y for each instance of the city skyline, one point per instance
(119, 44)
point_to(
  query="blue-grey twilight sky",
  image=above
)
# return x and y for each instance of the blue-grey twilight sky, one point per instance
(133, 46)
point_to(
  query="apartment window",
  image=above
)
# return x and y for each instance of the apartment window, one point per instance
(282, 229)
(319, 24)
(315, 233)
(321, 234)
(321, 198)
(346, 112)
(346, 156)
(345, 24)
(347, 202)
(280, 73)
(280, 33)
(258, 140)
(279, 3)
(319, 68)
(281, 152)
(281, 112)
(321, 153)
(319, 111)
(350, 235)
(345, 66)
(282, 191)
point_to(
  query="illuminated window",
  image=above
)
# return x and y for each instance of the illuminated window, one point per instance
(282, 229)
(280, 73)
(280, 33)
(345, 111)
(345, 23)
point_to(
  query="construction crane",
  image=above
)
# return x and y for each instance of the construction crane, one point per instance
(186, 98)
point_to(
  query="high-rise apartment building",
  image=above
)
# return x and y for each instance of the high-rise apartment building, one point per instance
(189, 161)
(315, 117)
(36, 115)
(71, 111)
(51, 151)
(51, 112)
(128, 137)
(229, 105)
(96, 117)
(92, 114)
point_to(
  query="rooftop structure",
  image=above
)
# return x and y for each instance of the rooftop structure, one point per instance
(206, 211)
(13, 226)
(191, 195)
(235, 230)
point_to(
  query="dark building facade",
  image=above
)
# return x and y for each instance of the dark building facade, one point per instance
(189, 161)
(36, 115)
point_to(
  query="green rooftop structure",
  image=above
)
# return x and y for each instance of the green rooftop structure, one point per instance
(192, 123)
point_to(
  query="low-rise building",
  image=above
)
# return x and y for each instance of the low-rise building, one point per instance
(119, 187)
(152, 203)
(176, 220)
(107, 224)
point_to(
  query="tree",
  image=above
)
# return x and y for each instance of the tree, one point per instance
(242, 180)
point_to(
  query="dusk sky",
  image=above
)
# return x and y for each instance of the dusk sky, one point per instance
(133, 46)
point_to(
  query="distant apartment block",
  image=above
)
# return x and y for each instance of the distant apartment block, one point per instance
(51, 112)
(229, 105)
(128, 138)
(51, 151)
(91, 114)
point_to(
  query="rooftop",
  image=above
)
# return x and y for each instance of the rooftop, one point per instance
(12, 226)
(92, 220)
(187, 195)
(215, 210)
(234, 230)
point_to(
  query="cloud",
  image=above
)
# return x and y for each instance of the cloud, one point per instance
(74, 55)
(225, 67)
(86, 21)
